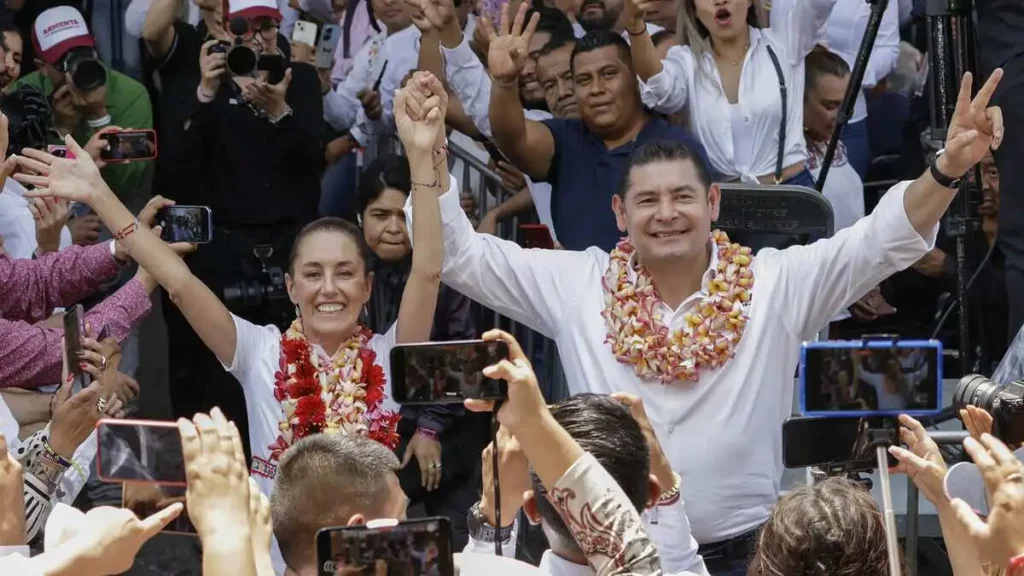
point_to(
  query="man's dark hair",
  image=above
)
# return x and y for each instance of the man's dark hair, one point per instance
(552, 20)
(388, 171)
(598, 39)
(558, 41)
(665, 151)
(605, 429)
(820, 62)
(323, 480)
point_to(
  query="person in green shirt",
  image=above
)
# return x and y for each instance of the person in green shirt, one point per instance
(65, 52)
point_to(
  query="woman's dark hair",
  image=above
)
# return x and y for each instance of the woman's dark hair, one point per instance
(331, 224)
(833, 528)
(389, 171)
(821, 62)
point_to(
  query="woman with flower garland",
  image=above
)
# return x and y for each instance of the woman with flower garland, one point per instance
(704, 332)
(327, 373)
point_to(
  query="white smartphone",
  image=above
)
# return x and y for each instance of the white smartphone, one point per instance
(329, 37)
(305, 32)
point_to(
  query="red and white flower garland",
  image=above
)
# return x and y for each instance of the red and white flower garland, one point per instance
(339, 395)
(711, 332)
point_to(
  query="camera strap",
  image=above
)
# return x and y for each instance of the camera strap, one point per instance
(785, 109)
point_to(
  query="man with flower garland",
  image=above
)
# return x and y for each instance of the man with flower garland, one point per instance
(707, 334)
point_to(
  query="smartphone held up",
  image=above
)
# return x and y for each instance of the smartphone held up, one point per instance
(128, 146)
(192, 224)
(446, 372)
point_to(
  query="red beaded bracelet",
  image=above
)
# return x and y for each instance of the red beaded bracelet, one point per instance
(1016, 566)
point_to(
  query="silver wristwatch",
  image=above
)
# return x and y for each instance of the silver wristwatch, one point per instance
(481, 531)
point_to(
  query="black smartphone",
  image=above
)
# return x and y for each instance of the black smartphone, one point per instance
(146, 499)
(494, 153)
(446, 372)
(841, 441)
(129, 145)
(420, 547)
(74, 329)
(193, 224)
(144, 451)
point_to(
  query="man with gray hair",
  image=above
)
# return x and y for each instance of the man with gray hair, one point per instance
(330, 480)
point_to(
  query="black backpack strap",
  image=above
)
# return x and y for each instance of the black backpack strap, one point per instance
(785, 109)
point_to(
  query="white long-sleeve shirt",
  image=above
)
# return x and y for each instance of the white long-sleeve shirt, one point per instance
(742, 139)
(720, 434)
(843, 33)
(470, 82)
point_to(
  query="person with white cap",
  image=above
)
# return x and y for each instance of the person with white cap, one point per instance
(87, 97)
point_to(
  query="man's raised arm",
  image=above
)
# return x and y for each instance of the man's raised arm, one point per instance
(528, 144)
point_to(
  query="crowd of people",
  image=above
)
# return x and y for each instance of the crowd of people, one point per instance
(351, 214)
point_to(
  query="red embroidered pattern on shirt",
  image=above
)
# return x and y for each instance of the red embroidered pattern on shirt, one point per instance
(261, 467)
(596, 533)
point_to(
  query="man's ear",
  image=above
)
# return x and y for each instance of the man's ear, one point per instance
(653, 491)
(356, 520)
(619, 208)
(714, 201)
(530, 507)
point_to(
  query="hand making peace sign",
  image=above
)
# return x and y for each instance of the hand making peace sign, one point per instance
(974, 128)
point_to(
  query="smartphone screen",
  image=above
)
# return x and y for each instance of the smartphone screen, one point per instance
(410, 548)
(129, 145)
(537, 236)
(60, 151)
(147, 499)
(139, 451)
(848, 440)
(443, 373)
(192, 224)
(74, 329)
(871, 378)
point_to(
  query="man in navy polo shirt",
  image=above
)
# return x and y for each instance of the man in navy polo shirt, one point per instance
(583, 159)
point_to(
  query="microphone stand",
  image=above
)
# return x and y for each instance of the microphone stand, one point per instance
(860, 64)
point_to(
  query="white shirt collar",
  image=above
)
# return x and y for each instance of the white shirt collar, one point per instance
(551, 563)
(708, 274)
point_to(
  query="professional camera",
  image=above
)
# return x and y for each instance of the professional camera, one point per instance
(266, 288)
(241, 60)
(1004, 403)
(30, 118)
(85, 69)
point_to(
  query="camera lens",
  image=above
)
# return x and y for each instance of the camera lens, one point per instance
(87, 73)
(242, 61)
(975, 390)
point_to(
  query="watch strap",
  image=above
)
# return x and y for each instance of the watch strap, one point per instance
(481, 531)
(941, 178)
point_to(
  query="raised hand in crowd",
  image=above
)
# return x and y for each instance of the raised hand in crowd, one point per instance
(97, 144)
(270, 98)
(75, 415)
(213, 66)
(636, 14)
(977, 421)
(660, 466)
(262, 529)
(974, 129)
(147, 217)
(508, 50)
(420, 109)
(370, 99)
(217, 497)
(101, 360)
(514, 475)
(427, 452)
(1000, 537)
(12, 498)
(50, 217)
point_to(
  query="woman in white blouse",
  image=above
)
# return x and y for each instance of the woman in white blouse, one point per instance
(743, 84)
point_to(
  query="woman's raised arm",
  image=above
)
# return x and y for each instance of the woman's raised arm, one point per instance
(79, 180)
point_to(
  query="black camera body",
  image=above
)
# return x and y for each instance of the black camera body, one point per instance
(84, 68)
(256, 292)
(1004, 403)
